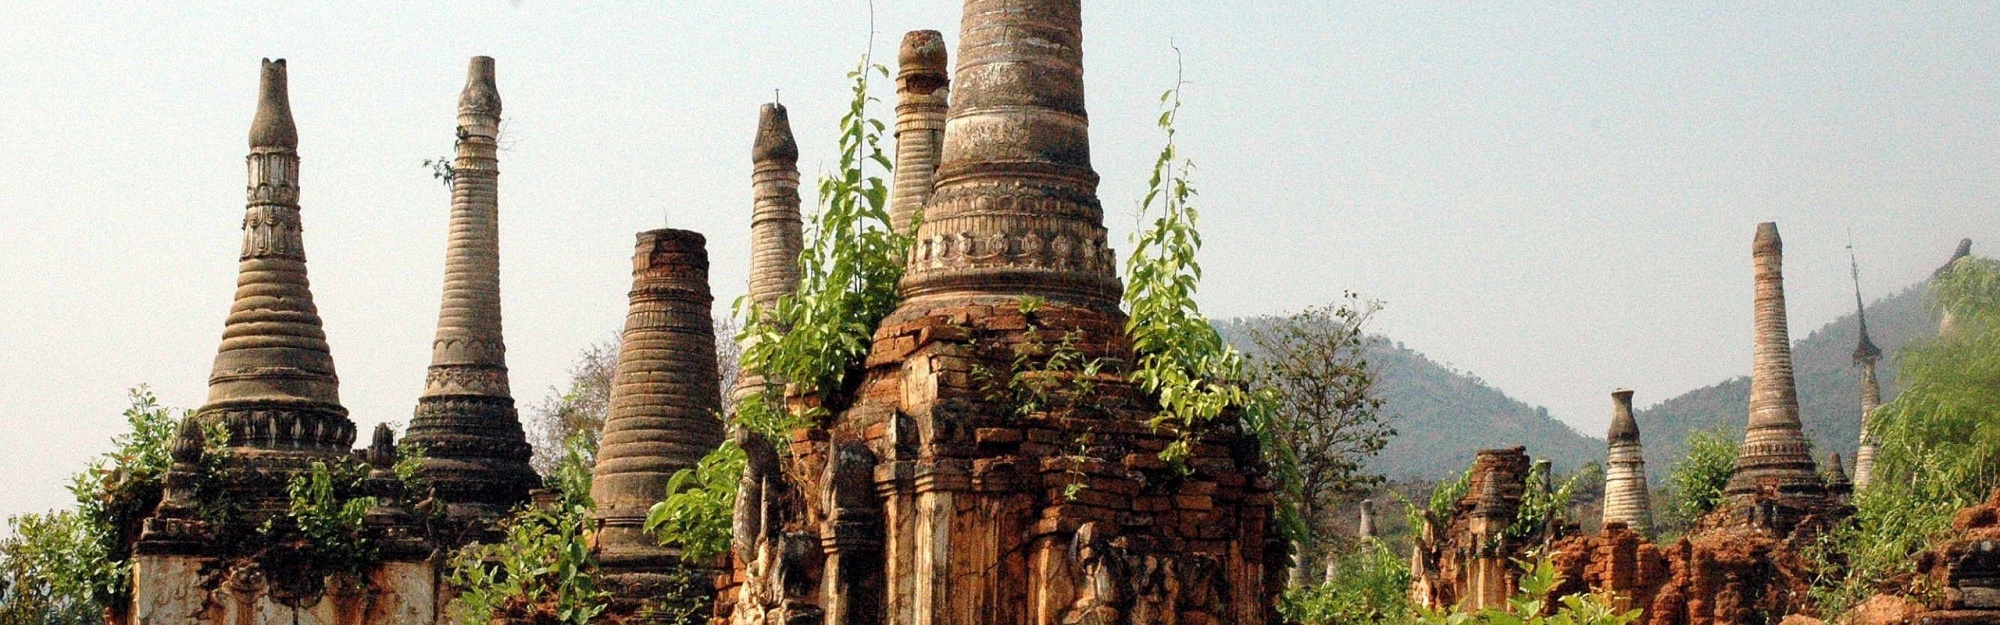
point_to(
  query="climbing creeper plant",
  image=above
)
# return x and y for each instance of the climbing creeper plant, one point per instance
(1181, 358)
(815, 337)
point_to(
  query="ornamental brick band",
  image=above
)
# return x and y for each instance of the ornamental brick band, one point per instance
(475, 453)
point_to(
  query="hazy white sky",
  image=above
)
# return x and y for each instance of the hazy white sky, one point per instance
(1558, 199)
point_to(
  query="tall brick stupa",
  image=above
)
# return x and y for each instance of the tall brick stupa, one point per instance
(273, 386)
(475, 453)
(927, 497)
(1774, 459)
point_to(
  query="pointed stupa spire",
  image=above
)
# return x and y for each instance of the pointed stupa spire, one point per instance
(273, 386)
(776, 228)
(923, 95)
(777, 231)
(1015, 210)
(1866, 355)
(664, 400)
(1626, 498)
(1774, 447)
(475, 453)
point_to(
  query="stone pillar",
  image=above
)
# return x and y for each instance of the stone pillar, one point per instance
(273, 386)
(1626, 499)
(475, 453)
(1774, 448)
(1366, 529)
(664, 404)
(922, 96)
(1866, 354)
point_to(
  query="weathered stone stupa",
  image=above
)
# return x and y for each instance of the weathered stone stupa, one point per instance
(1626, 498)
(1866, 354)
(1774, 458)
(475, 454)
(922, 98)
(926, 498)
(273, 386)
(777, 232)
(274, 390)
(665, 407)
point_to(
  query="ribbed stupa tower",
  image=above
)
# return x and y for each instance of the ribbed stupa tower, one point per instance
(475, 454)
(777, 232)
(1626, 499)
(664, 406)
(923, 95)
(932, 498)
(1866, 354)
(1774, 457)
(1015, 210)
(273, 386)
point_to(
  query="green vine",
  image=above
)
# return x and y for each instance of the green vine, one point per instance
(1039, 375)
(696, 512)
(541, 569)
(329, 515)
(815, 338)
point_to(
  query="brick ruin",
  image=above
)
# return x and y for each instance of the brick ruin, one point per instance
(926, 498)
(1743, 563)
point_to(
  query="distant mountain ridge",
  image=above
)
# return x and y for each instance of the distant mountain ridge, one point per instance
(1442, 415)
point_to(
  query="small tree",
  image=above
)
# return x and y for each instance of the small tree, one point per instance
(1323, 409)
(1695, 483)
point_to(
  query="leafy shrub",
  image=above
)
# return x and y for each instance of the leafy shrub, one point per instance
(1940, 445)
(53, 568)
(1531, 606)
(328, 514)
(542, 567)
(1696, 481)
(1371, 585)
(695, 516)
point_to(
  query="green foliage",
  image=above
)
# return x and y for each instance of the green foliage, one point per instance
(1531, 606)
(1940, 444)
(54, 569)
(1542, 503)
(1323, 419)
(570, 479)
(328, 513)
(62, 565)
(815, 337)
(1696, 481)
(1182, 359)
(542, 567)
(1038, 375)
(1438, 508)
(695, 515)
(1371, 585)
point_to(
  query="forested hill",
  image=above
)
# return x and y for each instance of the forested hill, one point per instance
(1443, 415)
(1829, 390)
